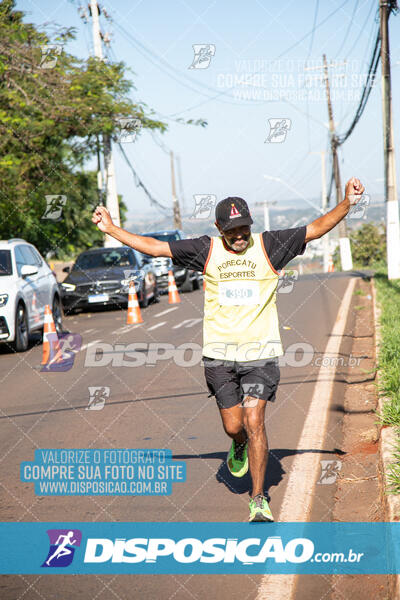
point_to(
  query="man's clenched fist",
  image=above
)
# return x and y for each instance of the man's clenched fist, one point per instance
(102, 218)
(354, 190)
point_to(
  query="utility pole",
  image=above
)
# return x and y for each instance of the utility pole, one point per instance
(175, 203)
(99, 176)
(391, 200)
(324, 205)
(265, 205)
(344, 242)
(109, 169)
(182, 196)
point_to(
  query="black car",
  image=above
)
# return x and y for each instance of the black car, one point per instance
(186, 280)
(101, 277)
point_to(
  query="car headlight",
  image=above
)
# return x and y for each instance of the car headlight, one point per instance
(127, 281)
(3, 299)
(180, 272)
(68, 287)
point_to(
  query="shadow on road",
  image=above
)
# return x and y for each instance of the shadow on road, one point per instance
(274, 474)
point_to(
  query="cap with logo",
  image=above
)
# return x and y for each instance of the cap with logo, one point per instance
(232, 212)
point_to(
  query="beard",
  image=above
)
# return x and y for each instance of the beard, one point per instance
(238, 245)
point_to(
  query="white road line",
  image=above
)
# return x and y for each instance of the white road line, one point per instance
(188, 323)
(88, 331)
(157, 325)
(85, 346)
(164, 312)
(301, 482)
(127, 328)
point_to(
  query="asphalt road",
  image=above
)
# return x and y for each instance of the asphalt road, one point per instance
(161, 404)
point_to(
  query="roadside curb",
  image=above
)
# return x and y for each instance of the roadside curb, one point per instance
(387, 439)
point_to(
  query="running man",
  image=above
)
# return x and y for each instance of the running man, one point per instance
(62, 549)
(241, 339)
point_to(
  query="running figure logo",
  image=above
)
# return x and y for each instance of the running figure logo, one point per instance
(278, 130)
(286, 281)
(329, 471)
(203, 54)
(98, 397)
(251, 394)
(54, 207)
(69, 345)
(50, 54)
(128, 128)
(358, 206)
(204, 203)
(62, 547)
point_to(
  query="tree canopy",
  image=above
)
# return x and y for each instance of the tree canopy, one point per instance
(54, 109)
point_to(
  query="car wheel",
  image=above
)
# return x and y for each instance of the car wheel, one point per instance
(21, 329)
(156, 297)
(187, 285)
(144, 301)
(57, 314)
(196, 283)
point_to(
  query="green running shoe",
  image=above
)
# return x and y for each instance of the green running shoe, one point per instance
(238, 462)
(259, 509)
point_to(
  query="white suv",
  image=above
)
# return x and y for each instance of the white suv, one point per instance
(27, 284)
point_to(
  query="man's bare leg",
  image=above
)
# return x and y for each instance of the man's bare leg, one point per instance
(253, 418)
(232, 420)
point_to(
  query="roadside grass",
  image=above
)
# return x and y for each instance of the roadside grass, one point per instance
(393, 474)
(388, 296)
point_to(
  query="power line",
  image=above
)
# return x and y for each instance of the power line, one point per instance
(139, 183)
(366, 91)
(174, 74)
(362, 28)
(308, 56)
(348, 28)
(169, 70)
(313, 29)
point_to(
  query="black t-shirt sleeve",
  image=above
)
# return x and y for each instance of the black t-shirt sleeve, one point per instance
(191, 254)
(283, 245)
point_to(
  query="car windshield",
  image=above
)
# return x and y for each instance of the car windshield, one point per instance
(108, 258)
(5, 262)
(164, 237)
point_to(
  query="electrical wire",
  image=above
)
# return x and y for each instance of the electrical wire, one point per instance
(362, 28)
(173, 73)
(312, 30)
(139, 183)
(340, 139)
(306, 62)
(348, 28)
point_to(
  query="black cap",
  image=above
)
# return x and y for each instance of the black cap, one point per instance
(232, 212)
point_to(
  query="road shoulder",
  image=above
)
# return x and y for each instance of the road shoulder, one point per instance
(359, 492)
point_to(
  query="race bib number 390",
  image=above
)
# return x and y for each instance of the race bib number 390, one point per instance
(237, 293)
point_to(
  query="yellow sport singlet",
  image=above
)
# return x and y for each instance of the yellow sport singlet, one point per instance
(240, 316)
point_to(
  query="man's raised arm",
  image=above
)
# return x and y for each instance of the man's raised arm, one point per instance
(354, 192)
(148, 245)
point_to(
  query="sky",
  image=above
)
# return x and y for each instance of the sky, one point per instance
(256, 72)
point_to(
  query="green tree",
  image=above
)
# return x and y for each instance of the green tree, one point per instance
(51, 121)
(368, 246)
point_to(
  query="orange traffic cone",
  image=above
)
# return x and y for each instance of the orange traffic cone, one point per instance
(35, 310)
(331, 268)
(134, 315)
(173, 295)
(51, 345)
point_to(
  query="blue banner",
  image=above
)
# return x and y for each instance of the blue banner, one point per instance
(103, 472)
(208, 548)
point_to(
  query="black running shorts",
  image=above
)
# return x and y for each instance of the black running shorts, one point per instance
(233, 382)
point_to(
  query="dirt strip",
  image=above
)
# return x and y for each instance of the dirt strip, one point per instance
(359, 485)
